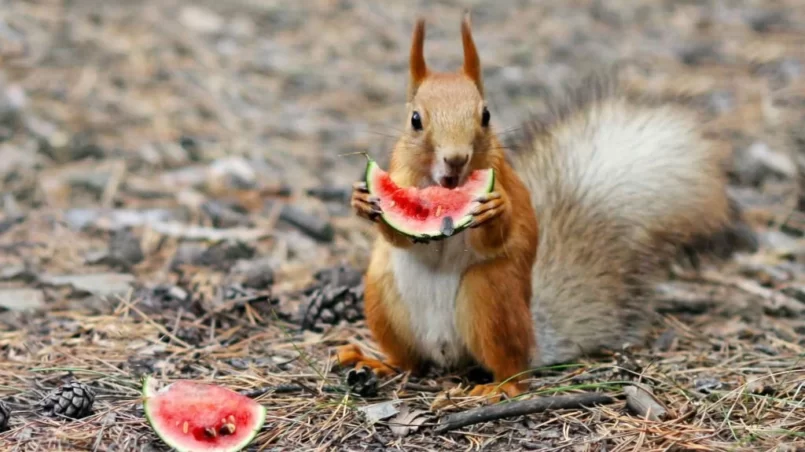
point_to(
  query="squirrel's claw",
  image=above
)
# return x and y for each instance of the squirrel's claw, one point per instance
(364, 204)
(489, 207)
(360, 186)
(488, 197)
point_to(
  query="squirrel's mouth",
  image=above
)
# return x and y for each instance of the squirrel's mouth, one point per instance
(449, 181)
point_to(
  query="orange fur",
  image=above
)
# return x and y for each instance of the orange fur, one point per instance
(495, 298)
(352, 355)
(385, 314)
(418, 67)
(495, 319)
(492, 305)
(492, 237)
(472, 63)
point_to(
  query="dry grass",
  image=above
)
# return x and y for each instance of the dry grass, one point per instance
(134, 106)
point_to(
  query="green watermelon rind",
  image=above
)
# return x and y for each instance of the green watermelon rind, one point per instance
(458, 226)
(148, 393)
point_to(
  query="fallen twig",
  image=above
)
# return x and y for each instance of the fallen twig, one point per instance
(421, 388)
(519, 408)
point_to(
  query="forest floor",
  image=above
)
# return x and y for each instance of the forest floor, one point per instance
(174, 203)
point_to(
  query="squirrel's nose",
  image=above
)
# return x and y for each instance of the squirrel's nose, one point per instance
(456, 161)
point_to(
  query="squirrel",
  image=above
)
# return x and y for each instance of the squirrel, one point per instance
(588, 208)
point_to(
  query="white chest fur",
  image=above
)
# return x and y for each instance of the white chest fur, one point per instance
(428, 278)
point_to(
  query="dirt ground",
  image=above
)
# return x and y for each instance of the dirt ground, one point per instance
(174, 203)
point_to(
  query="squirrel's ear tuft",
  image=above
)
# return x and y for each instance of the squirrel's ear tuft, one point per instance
(418, 68)
(472, 63)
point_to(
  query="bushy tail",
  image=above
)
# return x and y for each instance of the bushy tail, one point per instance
(619, 186)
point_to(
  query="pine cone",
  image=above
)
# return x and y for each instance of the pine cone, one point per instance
(363, 381)
(73, 400)
(5, 415)
(336, 296)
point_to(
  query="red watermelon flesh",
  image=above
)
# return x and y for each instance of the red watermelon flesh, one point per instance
(191, 416)
(431, 212)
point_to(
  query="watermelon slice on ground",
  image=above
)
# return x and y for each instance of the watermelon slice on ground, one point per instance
(428, 213)
(190, 416)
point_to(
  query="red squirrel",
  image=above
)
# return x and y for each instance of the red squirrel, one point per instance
(595, 197)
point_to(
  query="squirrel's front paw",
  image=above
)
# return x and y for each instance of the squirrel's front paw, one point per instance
(364, 204)
(490, 206)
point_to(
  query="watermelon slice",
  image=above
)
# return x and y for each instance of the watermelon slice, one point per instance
(429, 213)
(191, 416)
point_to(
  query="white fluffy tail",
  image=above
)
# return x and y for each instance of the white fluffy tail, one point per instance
(618, 186)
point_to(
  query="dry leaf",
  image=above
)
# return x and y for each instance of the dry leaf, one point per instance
(407, 421)
(380, 411)
(642, 402)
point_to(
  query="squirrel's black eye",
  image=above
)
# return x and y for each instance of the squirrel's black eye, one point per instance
(485, 117)
(416, 121)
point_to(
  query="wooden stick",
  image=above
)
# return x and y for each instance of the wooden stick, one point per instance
(519, 408)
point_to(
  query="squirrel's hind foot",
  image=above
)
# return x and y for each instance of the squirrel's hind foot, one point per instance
(352, 355)
(493, 392)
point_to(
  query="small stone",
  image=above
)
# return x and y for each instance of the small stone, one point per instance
(312, 225)
(224, 255)
(201, 19)
(187, 254)
(224, 216)
(101, 284)
(707, 385)
(758, 162)
(768, 20)
(721, 102)
(13, 271)
(234, 172)
(178, 293)
(665, 341)
(255, 274)
(124, 249)
(22, 299)
(698, 54)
